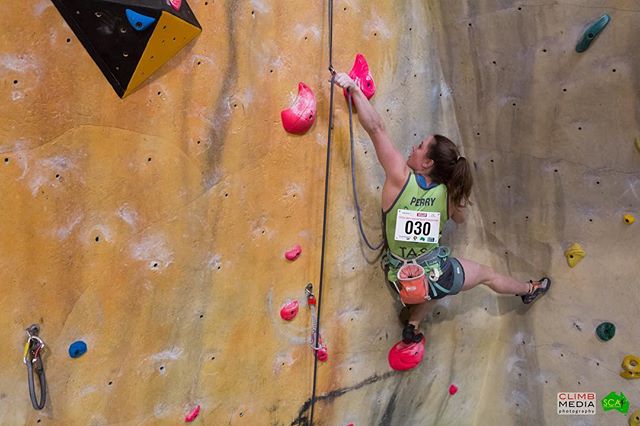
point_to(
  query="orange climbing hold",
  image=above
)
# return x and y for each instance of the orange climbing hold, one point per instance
(574, 254)
(629, 219)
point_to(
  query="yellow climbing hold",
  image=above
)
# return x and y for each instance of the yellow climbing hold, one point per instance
(638, 143)
(631, 367)
(574, 254)
(628, 218)
(634, 420)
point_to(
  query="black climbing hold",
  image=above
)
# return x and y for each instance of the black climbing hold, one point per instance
(138, 21)
(606, 331)
(77, 349)
(591, 33)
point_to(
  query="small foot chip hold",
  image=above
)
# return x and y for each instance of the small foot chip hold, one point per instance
(634, 419)
(77, 349)
(453, 389)
(629, 219)
(591, 33)
(322, 354)
(289, 310)
(192, 415)
(294, 253)
(630, 367)
(574, 254)
(606, 331)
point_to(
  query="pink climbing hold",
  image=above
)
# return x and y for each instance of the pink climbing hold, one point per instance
(301, 115)
(192, 415)
(322, 354)
(404, 356)
(453, 389)
(289, 310)
(362, 76)
(175, 4)
(293, 253)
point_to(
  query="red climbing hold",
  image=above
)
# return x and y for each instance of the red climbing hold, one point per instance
(293, 253)
(322, 354)
(289, 310)
(175, 4)
(404, 356)
(192, 415)
(453, 389)
(362, 76)
(299, 117)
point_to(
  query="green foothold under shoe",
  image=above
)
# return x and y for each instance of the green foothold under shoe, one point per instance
(591, 33)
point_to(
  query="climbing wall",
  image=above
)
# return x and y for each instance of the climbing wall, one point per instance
(155, 228)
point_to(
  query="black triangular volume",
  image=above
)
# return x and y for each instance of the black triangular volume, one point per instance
(111, 39)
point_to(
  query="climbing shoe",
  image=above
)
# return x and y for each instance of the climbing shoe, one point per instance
(536, 290)
(411, 335)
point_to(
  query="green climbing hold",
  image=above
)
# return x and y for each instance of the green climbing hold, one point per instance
(606, 331)
(591, 33)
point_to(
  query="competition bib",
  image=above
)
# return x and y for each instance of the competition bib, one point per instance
(418, 227)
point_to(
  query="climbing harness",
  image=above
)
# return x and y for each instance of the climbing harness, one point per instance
(416, 276)
(32, 359)
(319, 348)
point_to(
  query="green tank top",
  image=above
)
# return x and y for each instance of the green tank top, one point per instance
(415, 198)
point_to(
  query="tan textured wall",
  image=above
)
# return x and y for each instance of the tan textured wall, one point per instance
(194, 191)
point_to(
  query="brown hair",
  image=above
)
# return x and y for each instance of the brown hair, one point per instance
(451, 169)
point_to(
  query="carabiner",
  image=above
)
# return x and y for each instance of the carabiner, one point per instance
(33, 361)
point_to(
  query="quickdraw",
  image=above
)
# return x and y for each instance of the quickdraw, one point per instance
(319, 348)
(33, 360)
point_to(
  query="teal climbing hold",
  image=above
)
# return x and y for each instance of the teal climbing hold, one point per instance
(591, 33)
(138, 21)
(606, 331)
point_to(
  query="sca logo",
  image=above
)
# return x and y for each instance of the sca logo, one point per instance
(614, 401)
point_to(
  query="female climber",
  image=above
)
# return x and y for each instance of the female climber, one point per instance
(420, 194)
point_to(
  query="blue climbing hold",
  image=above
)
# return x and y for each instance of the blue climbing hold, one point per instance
(138, 21)
(77, 349)
(591, 33)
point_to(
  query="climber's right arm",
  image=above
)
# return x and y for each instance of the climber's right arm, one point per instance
(391, 160)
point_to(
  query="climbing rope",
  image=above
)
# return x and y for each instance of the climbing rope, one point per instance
(316, 324)
(324, 215)
(33, 361)
(353, 181)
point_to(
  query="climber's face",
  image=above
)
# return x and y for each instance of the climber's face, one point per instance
(418, 160)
